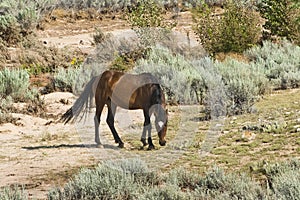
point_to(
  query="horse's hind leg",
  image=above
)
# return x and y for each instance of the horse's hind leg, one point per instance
(110, 120)
(99, 108)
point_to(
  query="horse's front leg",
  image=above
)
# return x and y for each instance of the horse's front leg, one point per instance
(147, 128)
(143, 138)
(110, 120)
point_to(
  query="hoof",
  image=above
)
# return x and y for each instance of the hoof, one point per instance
(144, 142)
(98, 142)
(121, 145)
(141, 148)
(150, 147)
(100, 146)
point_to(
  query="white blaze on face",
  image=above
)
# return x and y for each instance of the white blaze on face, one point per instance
(160, 124)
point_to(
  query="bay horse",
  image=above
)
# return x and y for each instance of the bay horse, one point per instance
(128, 91)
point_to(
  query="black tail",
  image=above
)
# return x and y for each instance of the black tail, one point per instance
(81, 104)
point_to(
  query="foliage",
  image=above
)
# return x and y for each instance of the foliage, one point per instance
(244, 84)
(219, 3)
(108, 6)
(283, 178)
(234, 30)
(14, 87)
(147, 21)
(165, 192)
(112, 180)
(282, 19)
(184, 179)
(286, 185)
(19, 18)
(14, 83)
(13, 193)
(177, 75)
(99, 36)
(66, 79)
(121, 179)
(218, 185)
(280, 62)
(233, 86)
(5, 107)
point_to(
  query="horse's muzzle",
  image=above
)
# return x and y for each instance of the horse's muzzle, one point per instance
(162, 143)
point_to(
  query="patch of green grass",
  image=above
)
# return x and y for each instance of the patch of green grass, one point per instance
(265, 137)
(232, 151)
(48, 137)
(274, 147)
(221, 151)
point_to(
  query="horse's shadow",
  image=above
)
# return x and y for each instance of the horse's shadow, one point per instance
(105, 146)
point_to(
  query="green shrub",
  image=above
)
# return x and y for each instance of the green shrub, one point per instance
(283, 178)
(235, 30)
(186, 80)
(13, 193)
(165, 192)
(14, 83)
(184, 179)
(14, 87)
(111, 180)
(218, 185)
(66, 79)
(20, 18)
(5, 107)
(178, 76)
(280, 61)
(129, 179)
(282, 19)
(287, 185)
(244, 84)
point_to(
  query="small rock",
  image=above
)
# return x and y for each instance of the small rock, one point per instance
(248, 135)
(298, 120)
(298, 129)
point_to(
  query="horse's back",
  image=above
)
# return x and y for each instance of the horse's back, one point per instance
(114, 78)
(130, 91)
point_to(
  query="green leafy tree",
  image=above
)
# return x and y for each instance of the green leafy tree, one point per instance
(282, 19)
(233, 30)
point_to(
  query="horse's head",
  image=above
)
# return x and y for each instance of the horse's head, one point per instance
(161, 124)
